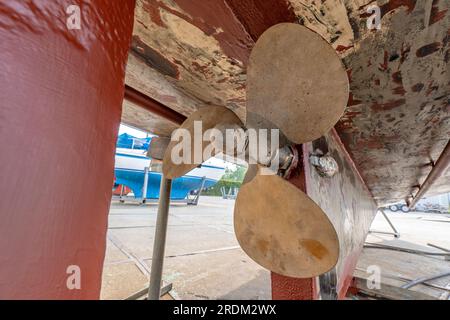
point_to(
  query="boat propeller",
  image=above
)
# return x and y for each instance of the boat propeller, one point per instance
(295, 83)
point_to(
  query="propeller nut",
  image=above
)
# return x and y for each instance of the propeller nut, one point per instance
(325, 165)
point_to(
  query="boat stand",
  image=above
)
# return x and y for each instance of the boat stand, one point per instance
(143, 294)
(143, 200)
(232, 193)
(154, 291)
(144, 187)
(396, 234)
(194, 201)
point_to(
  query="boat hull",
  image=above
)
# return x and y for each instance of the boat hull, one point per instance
(130, 167)
(180, 187)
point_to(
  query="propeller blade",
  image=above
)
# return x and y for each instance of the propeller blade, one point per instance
(297, 82)
(283, 230)
(252, 171)
(157, 148)
(209, 117)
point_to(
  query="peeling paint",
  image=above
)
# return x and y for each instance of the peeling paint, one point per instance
(428, 49)
(153, 58)
(257, 16)
(417, 87)
(393, 72)
(214, 18)
(61, 94)
(345, 200)
(388, 105)
(390, 6)
(436, 14)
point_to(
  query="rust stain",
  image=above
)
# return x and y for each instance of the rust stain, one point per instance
(178, 62)
(352, 101)
(222, 80)
(382, 141)
(257, 16)
(41, 238)
(428, 49)
(214, 18)
(344, 125)
(153, 10)
(202, 69)
(263, 246)
(167, 99)
(349, 74)
(390, 119)
(388, 105)
(341, 48)
(446, 40)
(399, 91)
(397, 77)
(404, 52)
(314, 247)
(436, 15)
(384, 66)
(346, 122)
(417, 87)
(395, 4)
(352, 114)
(390, 6)
(376, 60)
(153, 58)
(431, 88)
(370, 143)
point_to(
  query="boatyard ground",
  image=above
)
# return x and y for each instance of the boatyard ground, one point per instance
(204, 260)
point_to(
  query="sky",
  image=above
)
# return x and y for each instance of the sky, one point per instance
(142, 134)
(132, 131)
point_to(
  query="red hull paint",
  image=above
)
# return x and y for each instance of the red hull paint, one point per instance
(61, 97)
(348, 202)
(287, 288)
(349, 205)
(117, 191)
(347, 275)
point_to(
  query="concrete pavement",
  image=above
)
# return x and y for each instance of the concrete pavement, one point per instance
(203, 258)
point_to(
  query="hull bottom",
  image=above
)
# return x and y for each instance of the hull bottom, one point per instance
(180, 187)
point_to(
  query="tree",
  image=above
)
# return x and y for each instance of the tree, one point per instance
(231, 179)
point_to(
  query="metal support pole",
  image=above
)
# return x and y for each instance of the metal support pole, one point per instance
(328, 285)
(122, 187)
(447, 258)
(424, 279)
(396, 234)
(223, 193)
(438, 170)
(150, 104)
(144, 187)
(194, 201)
(159, 243)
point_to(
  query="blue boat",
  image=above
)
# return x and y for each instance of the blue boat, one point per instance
(129, 170)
